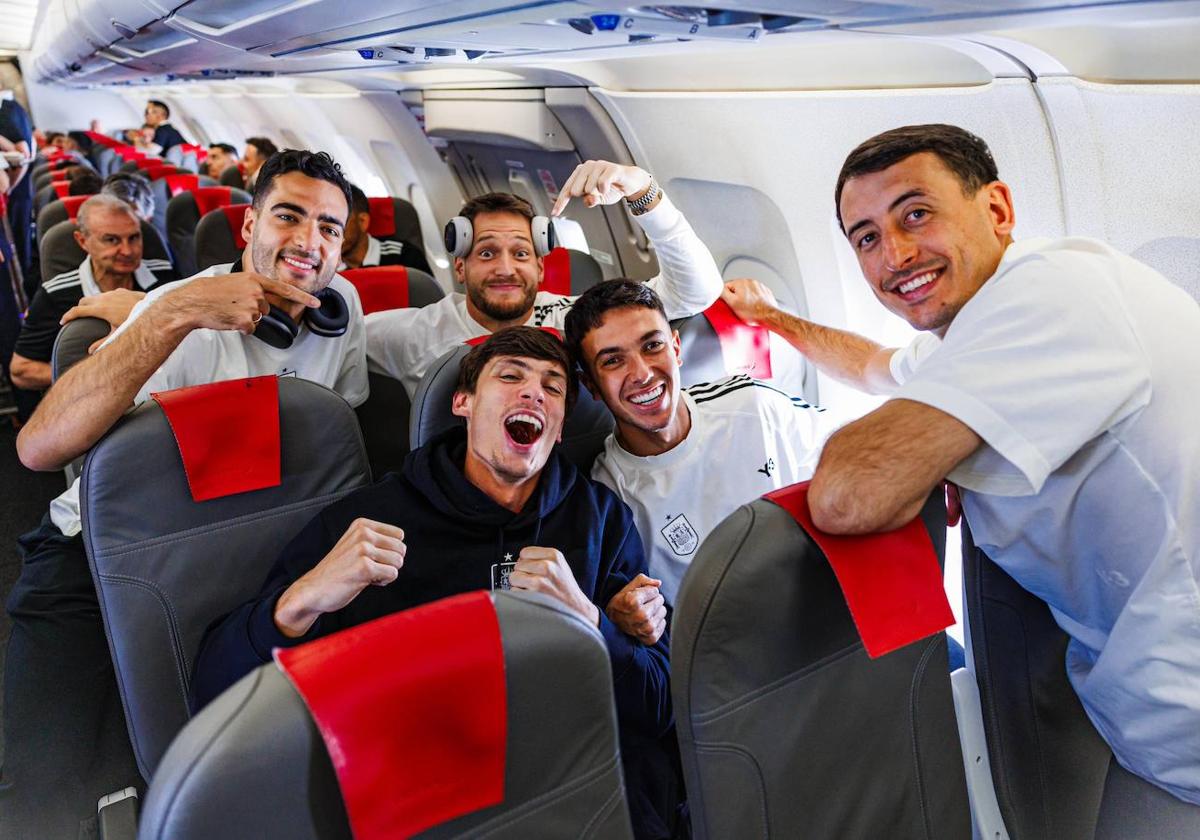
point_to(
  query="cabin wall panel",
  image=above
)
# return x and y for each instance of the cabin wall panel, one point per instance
(789, 147)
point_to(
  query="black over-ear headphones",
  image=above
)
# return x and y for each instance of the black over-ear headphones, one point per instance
(329, 320)
(458, 236)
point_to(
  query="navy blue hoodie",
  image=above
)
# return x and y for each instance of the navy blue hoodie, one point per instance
(453, 534)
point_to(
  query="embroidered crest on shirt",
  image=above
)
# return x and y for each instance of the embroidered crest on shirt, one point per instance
(681, 536)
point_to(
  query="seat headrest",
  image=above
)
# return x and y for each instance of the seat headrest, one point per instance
(716, 343)
(444, 755)
(569, 272)
(210, 198)
(72, 203)
(219, 235)
(73, 341)
(584, 431)
(394, 218)
(386, 287)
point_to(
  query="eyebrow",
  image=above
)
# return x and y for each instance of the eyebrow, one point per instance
(483, 237)
(900, 200)
(521, 363)
(646, 337)
(300, 211)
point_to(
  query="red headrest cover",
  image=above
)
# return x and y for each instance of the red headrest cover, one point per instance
(228, 434)
(383, 217)
(479, 339)
(72, 203)
(556, 272)
(179, 183)
(891, 581)
(210, 198)
(413, 711)
(380, 287)
(62, 188)
(235, 216)
(744, 349)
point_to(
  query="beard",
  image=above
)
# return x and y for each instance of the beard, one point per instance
(499, 311)
(265, 260)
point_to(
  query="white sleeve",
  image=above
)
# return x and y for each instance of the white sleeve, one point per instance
(905, 361)
(1038, 363)
(351, 380)
(689, 281)
(803, 426)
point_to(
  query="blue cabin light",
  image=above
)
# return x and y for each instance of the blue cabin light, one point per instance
(606, 23)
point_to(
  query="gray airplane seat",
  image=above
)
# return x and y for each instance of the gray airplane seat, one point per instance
(184, 212)
(49, 193)
(569, 272)
(715, 344)
(164, 187)
(787, 728)
(167, 565)
(253, 763)
(1054, 775)
(384, 415)
(59, 210)
(218, 236)
(583, 434)
(233, 176)
(72, 343)
(394, 219)
(60, 252)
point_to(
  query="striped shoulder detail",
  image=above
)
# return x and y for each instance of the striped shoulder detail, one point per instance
(390, 245)
(708, 392)
(63, 281)
(155, 264)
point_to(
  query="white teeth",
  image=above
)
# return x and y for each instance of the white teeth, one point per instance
(648, 398)
(916, 283)
(526, 418)
(303, 266)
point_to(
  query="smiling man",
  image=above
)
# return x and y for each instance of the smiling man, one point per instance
(65, 738)
(486, 507)
(110, 235)
(501, 272)
(1062, 400)
(660, 458)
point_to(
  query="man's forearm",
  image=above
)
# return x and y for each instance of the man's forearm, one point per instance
(29, 374)
(846, 356)
(93, 395)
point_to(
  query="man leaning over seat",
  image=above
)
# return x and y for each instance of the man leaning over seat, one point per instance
(489, 506)
(501, 272)
(65, 737)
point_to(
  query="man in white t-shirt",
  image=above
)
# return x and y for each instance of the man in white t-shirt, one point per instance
(65, 738)
(681, 460)
(501, 272)
(1063, 402)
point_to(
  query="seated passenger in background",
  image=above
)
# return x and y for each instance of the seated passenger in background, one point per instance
(501, 273)
(65, 737)
(134, 190)
(221, 156)
(82, 180)
(1063, 402)
(258, 151)
(682, 460)
(361, 250)
(490, 506)
(110, 235)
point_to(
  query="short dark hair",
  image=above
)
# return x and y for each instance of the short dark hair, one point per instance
(497, 202)
(159, 103)
(224, 147)
(519, 342)
(265, 147)
(589, 308)
(964, 154)
(317, 165)
(84, 182)
(358, 200)
(81, 140)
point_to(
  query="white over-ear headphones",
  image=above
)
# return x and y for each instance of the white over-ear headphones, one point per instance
(458, 236)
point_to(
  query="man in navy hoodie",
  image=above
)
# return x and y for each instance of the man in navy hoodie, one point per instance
(492, 505)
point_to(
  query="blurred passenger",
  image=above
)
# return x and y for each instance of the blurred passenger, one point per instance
(221, 156)
(361, 250)
(134, 190)
(166, 135)
(83, 181)
(258, 151)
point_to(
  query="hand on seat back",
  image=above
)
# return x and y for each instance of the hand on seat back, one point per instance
(232, 301)
(749, 299)
(113, 307)
(545, 570)
(601, 182)
(639, 610)
(370, 553)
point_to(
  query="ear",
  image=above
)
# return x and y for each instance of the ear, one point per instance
(460, 270)
(541, 264)
(676, 348)
(1000, 208)
(79, 238)
(248, 224)
(364, 222)
(460, 405)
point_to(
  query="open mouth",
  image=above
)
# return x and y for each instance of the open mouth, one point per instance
(523, 428)
(916, 287)
(649, 398)
(299, 264)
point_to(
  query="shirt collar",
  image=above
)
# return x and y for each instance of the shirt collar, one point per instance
(142, 276)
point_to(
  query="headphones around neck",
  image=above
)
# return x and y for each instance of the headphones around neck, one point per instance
(458, 236)
(329, 321)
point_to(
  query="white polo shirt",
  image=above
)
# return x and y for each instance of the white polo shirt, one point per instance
(403, 343)
(1080, 369)
(746, 439)
(206, 356)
